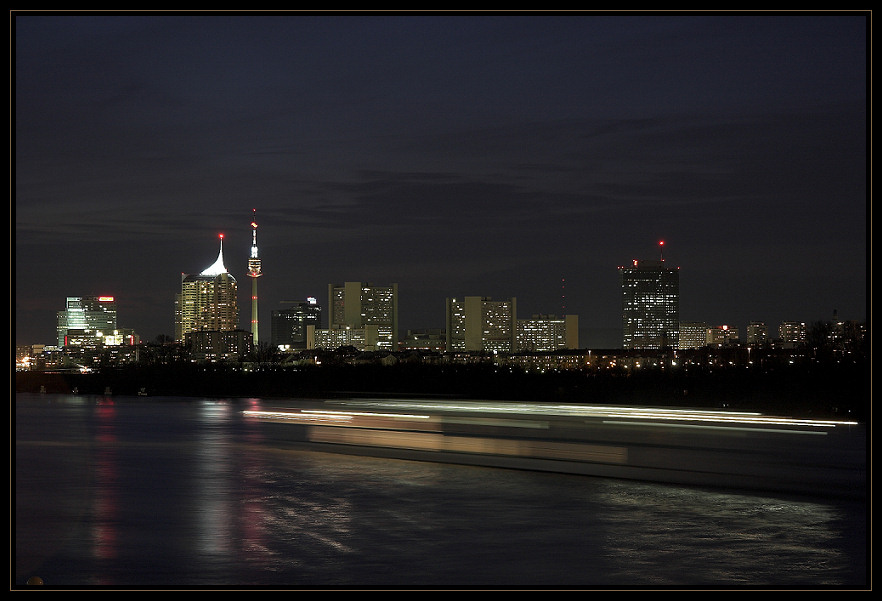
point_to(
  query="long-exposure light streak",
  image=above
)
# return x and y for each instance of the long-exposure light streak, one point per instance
(524, 408)
(716, 417)
(283, 415)
(369, 414)
(603, 411)
(723, 428)
(332, 417)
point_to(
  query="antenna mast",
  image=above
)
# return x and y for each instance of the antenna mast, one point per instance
(254, 272)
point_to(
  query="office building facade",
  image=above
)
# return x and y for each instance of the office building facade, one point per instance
(361, 305)
(480, 324)
(693, 334)
(290, 325)
(218, 345)
(724, 335)
(757, 333)
(792, 333)
(363, 339)
(429, 339)
(92, 316)
(208, 301)
(542, 333)
(650, 305)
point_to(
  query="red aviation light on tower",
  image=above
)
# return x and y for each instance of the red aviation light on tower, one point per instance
(661, 249)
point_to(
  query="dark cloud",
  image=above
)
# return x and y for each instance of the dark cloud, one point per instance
(492, 155)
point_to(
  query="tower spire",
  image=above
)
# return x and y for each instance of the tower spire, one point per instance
(254, 273)
(218, 267)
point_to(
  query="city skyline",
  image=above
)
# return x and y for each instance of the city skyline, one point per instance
(454, 155)
(651, 307)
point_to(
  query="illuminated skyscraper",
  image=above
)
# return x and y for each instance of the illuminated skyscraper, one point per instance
(91, 314)
(359, 305)
(650, 305)
(254, 273)
(478, 323)
(290, 326)
(207, 301)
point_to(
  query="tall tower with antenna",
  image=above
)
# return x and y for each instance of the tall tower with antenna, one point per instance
(254, 273)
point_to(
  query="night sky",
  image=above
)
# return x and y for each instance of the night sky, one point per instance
(455, 155)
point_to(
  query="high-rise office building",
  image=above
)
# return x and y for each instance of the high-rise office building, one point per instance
(358, 305)
(650, 305)
(478, 323)
(93, 315)
(207, 301)
(290, 325)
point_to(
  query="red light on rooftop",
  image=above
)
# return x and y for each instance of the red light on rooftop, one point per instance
(221, 236)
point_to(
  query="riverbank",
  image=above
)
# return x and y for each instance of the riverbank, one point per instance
(828, 391)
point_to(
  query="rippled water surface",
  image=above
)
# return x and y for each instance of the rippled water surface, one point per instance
(183, 492)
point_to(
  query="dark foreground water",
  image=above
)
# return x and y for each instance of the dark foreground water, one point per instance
(133, 492)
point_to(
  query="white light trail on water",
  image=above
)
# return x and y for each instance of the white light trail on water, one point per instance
(513, 409)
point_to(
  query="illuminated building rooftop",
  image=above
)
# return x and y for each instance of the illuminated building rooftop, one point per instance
(217, 267)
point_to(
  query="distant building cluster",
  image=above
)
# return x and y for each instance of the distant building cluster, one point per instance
(363, 317)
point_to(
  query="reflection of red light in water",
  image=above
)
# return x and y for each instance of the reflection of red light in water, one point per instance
(105, 508)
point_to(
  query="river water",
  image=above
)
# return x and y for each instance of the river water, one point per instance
(179, 493)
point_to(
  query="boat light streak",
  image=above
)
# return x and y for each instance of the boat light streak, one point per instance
(299, 417)
(513, 409)
(726, 428)
(312, 415)
(739, 419)
(369, 414)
